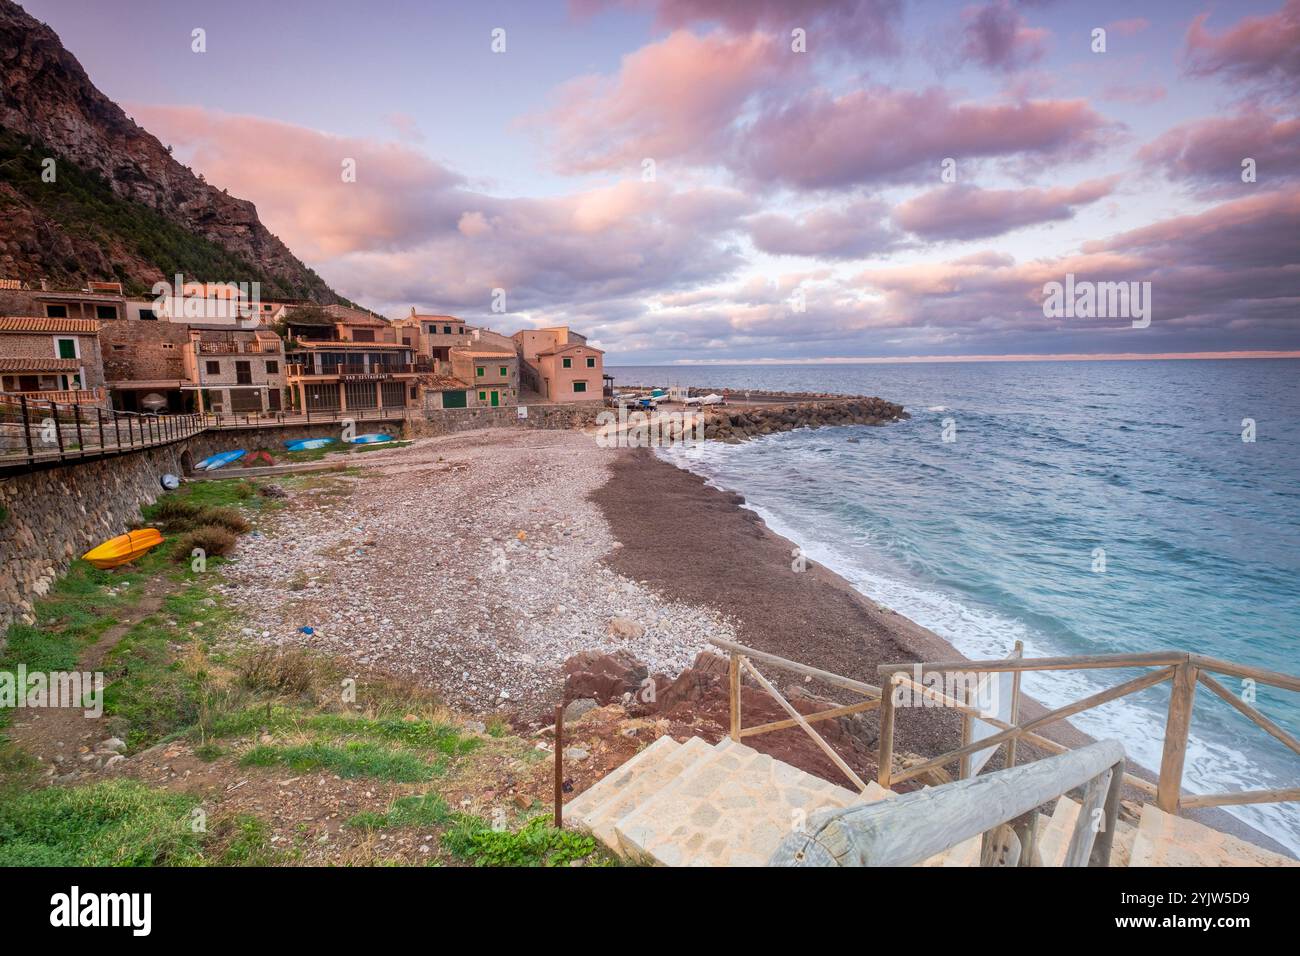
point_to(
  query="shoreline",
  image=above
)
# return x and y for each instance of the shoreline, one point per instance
(699, 543)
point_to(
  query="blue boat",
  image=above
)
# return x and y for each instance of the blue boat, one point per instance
(371, 439)
(308, 444)
(220, 461)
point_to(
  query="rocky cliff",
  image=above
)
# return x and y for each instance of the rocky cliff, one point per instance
(120, 205)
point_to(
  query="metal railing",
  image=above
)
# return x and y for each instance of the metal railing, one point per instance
(34, 432)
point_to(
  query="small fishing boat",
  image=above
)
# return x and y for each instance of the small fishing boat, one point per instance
(124, 549)
(307, 444)
(220, 461)
(371, 439)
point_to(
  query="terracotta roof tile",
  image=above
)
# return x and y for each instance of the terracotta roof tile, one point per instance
(38, 323)
(38, 365)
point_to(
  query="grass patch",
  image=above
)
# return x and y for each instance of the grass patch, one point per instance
(114, 823)
(536, 843)
(354, 759)
(247, 842)
(427, 810)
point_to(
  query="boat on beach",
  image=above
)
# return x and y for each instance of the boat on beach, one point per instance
(124, 549)
(213, 462)
(307, 444)
(371, 439)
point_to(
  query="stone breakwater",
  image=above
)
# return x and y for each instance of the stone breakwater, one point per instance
(740, 423)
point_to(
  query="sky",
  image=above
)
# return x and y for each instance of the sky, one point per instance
(751, 180)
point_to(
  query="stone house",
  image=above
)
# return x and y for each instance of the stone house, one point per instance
(493, 373)
(52, 359)
(559, 365)
(144, 366)
(240, 371)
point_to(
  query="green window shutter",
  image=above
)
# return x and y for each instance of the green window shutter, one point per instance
(504, 370)
(591, 363)
(568, 363)
(579, 386)
(67, 348)
(482, 396)
(479, 371)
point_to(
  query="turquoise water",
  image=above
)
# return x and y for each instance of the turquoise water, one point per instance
(993, 537)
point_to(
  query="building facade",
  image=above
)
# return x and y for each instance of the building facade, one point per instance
(236, 371)
(559, 365)
(144, 366)
(52, 359)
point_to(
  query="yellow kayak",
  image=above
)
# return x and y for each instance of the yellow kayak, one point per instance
(124, 549)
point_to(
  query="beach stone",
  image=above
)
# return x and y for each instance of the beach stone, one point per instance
(625, 629)
(576, 708)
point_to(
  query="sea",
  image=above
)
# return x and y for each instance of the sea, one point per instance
(1089, 507)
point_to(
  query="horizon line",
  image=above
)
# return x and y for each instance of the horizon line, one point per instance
(909, 359)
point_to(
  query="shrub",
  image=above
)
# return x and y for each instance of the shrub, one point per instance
(292, 671)
(175, 514)
(227, 518)
(215, 542)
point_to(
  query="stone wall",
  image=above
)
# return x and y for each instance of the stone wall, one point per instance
(137, 351)
(272, 438)
(54, 515)
(447, 421)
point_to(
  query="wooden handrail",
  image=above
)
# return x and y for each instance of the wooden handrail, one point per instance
(1184, 669)
(913, 827)
(836, 680)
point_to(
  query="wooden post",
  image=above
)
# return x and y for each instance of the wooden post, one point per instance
(559, 766)
(1015, 704)
(885, 756)
(967, 734)
(1182, 693)
(733, 692)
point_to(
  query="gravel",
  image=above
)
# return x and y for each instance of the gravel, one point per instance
(471, 563)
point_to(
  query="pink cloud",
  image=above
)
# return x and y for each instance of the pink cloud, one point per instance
(1260, 48)
(1211, 150)
(866, 26)
(1130, 27)
(967, 212)
(820, 141)
(674, 98)
(996, 36)
(856, 229)
(296, 177)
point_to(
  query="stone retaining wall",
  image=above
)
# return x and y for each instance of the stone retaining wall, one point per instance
(53, 515)
(447, 421)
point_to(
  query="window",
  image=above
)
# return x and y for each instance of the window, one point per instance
(363, 335)
(568, 363)
(446, 330)
(56, 311)
(504, 371)
(480, 371)
(148, 315)
(243, 373)
(67, 348)
(214, 368)
(272, 368)
(482, 396)
(579, 386)
(591, 362)
(106, 312)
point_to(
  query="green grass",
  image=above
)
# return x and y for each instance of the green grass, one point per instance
(427, 810)
(536, 843)
(249, 843)
(353, 759)
(114, 823)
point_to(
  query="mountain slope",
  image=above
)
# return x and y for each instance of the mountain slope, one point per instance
(120, 204)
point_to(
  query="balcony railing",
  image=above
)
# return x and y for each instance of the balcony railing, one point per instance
(309, 371)
(68, 396)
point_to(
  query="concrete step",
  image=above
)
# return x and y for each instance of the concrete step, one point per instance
(578, 809)
(1054, 832)
(1164, 839)
(731, 806)
(648, 780)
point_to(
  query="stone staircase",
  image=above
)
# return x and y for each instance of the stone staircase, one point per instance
(726, 804)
